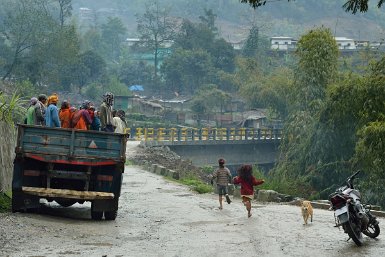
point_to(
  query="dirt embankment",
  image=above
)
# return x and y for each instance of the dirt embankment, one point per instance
(162, 155)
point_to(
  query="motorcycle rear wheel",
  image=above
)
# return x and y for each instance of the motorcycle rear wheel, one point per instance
(372, 231)
(354, 232)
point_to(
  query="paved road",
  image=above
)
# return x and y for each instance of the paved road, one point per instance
(161, 218)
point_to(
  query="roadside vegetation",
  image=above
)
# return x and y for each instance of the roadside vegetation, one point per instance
(196, 184)
(5, 202)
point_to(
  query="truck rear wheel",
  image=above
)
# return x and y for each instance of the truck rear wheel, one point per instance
(96, 215)
(110, 215)
(16, 203)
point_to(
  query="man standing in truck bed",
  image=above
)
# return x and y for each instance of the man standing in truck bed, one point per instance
(106, 113)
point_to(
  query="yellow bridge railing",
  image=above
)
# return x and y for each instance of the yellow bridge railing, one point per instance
(202, 134)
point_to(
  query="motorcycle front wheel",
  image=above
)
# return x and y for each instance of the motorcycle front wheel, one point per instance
(372, 231)
(354, 231)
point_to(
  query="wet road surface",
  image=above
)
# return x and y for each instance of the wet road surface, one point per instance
(161, 218)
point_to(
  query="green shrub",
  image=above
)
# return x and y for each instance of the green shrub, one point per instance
(26, 89)
(197, 185)
(129, 162)
(11, 108)
(258, 174)
(203, 188)
(208, 169)
(5, 203)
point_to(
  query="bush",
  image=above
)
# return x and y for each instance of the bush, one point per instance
(197, 185)
(11, 108)
(258, 174)
(5, 203)
(208, 169)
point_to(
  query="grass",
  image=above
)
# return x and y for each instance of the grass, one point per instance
(129, 162)
(5, 202)
(197, 185)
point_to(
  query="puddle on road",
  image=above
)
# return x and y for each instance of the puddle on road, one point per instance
(161, 190)
(133, 184)
(212, 222)
(98, 244)
(184, 195)
(257, 207)
(70, 253)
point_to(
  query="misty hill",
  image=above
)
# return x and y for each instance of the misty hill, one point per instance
(277, 18)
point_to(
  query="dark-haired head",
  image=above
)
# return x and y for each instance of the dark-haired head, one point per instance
(65, 105)
(246, 172)
(221, 162)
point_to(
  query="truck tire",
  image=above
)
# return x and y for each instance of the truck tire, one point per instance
(110, 215)
(16, 200)
(96, 215)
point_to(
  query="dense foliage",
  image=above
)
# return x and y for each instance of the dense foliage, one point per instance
(353, 6)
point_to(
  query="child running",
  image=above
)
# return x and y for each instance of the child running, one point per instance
(247, 180)
(223, 176)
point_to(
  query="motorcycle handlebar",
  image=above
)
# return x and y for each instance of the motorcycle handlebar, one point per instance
(349, 181)
(354, 175)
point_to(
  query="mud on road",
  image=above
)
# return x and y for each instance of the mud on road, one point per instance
(160, 218)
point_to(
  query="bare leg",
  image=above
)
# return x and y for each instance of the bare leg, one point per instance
(248, 208)
(220, 202)
(247, 203)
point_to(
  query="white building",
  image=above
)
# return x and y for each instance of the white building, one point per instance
(282, 43)
(345, 43)
(164, 44)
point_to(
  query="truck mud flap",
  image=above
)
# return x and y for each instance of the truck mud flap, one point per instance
(64, 193)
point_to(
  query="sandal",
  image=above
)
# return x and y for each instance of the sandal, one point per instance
(228, 199)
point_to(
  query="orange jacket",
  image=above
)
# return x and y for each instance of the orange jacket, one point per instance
(81, 119)
(65, 118)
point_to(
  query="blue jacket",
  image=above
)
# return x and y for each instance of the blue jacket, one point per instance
(52, 116)
(95, 124)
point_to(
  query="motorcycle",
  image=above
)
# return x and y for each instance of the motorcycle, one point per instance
(350, 214)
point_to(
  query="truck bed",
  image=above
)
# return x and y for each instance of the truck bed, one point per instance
(81, 147)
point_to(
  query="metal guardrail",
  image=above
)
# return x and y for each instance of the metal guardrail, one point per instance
(202, 134)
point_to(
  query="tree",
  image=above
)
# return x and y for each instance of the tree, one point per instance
(318, 55)
(136, 73)
(194, 36)
(65, 7)
(209, 20)
(208, 100)
(186, 70)
(47, 63)
(39, 45)
(155, 28)
(89, 68)
(352, 6)
(251, 46)
(113, 34)
(302, 154)
(25, 26)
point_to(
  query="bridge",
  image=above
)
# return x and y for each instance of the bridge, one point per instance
(205, 145)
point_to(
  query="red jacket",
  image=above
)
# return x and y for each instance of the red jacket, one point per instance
(247, 188)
